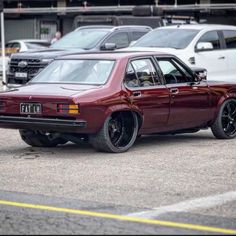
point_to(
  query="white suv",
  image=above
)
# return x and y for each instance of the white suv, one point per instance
(207, 46)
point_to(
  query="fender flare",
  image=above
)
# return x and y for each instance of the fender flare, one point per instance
(225, 97)
(124, 107)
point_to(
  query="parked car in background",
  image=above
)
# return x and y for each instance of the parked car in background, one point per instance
(24, 66)
(22, 45)
(209, 46)
(111, 98)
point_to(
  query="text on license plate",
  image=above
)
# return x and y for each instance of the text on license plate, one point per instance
(21, 75)
(30, 108)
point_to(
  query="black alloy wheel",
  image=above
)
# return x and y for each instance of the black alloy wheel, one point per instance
(118, 133)
(40, 138)
(224, 126)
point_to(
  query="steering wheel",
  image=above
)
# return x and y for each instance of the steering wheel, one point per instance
(171, 79)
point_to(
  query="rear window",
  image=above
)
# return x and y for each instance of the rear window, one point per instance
(230, 38)
(94, 72)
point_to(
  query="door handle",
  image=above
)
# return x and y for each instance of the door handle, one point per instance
(137, 94)
(221, 58)
(174, 90)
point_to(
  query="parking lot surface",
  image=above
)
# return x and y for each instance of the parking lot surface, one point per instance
(187, 179)
(174, 184)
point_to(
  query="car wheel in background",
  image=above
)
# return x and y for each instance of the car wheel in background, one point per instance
(40, 139)
(224, 126)
(118, 133)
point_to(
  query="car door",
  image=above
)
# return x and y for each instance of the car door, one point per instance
(229, 37)
(189, 100)
(147, 93)
(214, 60)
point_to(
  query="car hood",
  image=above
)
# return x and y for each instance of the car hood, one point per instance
(48, 53)
(50, 90)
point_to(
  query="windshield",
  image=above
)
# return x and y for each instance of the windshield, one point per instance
(76, 71)
(81, 39)
(167, 38)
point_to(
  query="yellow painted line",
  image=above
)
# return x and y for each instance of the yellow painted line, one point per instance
(120, 217)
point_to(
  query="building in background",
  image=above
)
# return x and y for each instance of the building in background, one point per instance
(43, 25)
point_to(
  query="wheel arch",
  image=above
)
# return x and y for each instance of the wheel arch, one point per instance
(116, 109)
(225, 97)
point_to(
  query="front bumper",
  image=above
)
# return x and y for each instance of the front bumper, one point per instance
(44, 124)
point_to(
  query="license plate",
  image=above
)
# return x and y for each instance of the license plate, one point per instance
(30, 108)
(21, 75)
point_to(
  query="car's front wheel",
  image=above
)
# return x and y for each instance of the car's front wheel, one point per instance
(118, 133)
(40, 139)
(224, 126)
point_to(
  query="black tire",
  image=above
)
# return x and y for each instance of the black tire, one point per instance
(39, 139)
(118, 133)
(224, 127)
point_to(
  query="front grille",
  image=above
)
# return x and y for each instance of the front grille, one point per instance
(34, 66)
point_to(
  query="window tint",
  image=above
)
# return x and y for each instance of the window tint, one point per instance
(189, 77)
(211, 37)
(141, 73)
(171, 72)
(120, 39)
(81, 71)
(230, 38)
(136, 35)
(16, 45)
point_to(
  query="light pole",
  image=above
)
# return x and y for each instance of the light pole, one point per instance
(3, 43)
(176, 3)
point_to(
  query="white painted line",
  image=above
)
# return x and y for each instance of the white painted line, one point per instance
(193, 204)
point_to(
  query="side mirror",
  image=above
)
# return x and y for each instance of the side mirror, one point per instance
(108, 46)
(204, 46)
(200, 74)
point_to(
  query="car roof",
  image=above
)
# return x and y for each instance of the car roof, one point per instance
(115, 55)
(29, 41)
(201, 27)
(112, 28)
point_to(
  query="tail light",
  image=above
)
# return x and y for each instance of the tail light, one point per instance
(2, 106)
(68, 108)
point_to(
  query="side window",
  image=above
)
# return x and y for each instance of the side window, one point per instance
(141, 73)
(211, 37)
(120, 39)
(136, 35)
(131, 79)
(188, 76)
(230, 38)
(171, 72)
(16, 46)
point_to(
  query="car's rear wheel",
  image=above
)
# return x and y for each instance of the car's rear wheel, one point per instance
(118, 133)
(40, 139)
(224, 126)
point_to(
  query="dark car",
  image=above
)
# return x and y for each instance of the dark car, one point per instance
(111, 98)
(24, 66)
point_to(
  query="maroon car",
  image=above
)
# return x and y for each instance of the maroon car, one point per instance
(111, 98)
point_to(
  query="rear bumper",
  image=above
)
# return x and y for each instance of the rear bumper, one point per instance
(53, 125)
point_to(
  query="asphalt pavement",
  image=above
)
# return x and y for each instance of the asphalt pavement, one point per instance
(175, 184)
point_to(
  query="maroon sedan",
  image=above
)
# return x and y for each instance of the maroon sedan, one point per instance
(111, 98)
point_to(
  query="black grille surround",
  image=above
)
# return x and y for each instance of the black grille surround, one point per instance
(33, 67)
